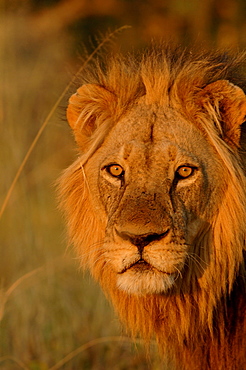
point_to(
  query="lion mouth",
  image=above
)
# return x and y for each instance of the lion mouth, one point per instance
(141, 266)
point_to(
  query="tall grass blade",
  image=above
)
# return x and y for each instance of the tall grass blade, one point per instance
(52, 111)
(90, 344)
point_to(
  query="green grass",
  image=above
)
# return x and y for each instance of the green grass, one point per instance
(52, 315)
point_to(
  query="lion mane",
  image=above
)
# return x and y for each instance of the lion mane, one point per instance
(156, 201)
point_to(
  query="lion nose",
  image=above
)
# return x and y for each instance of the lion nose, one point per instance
(140, 241)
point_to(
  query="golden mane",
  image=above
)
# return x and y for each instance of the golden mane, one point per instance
(201, 322)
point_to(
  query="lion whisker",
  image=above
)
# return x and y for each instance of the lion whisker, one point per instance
(195, 259)
(179, 273)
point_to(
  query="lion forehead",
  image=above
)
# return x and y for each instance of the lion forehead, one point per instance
(149, 123)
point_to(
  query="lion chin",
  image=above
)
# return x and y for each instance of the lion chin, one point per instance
(144, 279)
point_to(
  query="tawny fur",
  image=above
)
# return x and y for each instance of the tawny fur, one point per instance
(199, 318)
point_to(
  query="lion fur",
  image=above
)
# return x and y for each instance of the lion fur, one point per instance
(201, 322)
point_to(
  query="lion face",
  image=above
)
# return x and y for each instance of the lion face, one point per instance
(158, 178)
(151, 179)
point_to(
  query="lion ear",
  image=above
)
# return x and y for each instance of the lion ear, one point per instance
(88, 108)
(228, 102)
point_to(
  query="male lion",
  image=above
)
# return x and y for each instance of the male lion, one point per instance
(156, 202)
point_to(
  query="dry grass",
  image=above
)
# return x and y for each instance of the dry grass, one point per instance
(52, 316)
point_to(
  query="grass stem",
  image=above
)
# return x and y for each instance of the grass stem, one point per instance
(52, 111)
(90, 344)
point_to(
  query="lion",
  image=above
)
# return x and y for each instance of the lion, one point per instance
(156, 200)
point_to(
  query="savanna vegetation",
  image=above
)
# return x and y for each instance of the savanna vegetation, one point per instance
(53, 316)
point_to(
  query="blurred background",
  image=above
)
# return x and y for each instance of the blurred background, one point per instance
(52, 315)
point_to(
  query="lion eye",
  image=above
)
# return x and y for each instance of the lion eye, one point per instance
(184, 172)
(115, 170)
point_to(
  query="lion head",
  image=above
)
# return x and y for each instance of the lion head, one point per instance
(156, 199)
